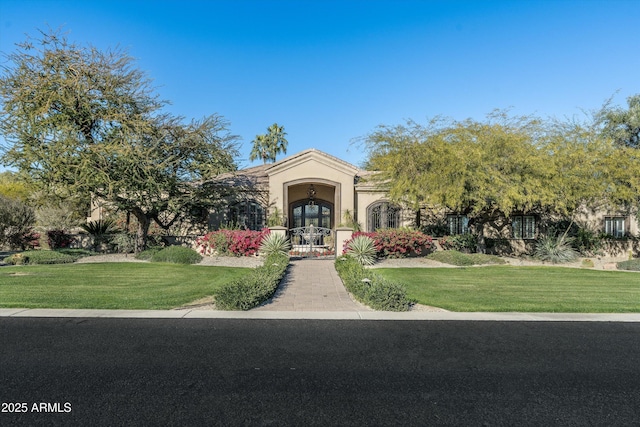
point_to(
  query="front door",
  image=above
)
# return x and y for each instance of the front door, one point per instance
(318, 214)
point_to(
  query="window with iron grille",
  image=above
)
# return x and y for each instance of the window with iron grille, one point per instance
(523, 227)
(247, 214)
(383, 215)
(615, 226)
(457, 224)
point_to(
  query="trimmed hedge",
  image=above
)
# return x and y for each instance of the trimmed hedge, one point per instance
(40, 257)
(177, 255)
(252, 290)
(371, 289)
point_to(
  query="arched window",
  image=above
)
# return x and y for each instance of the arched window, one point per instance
(248, 214)
(383, 215)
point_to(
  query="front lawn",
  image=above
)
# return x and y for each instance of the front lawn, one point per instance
(521, 289)
(111, 285)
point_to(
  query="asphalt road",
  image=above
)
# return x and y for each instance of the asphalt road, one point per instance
(95, 372)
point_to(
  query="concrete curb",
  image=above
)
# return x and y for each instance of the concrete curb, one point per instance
(320, 315)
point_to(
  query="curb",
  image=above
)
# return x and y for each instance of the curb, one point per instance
(320, 315)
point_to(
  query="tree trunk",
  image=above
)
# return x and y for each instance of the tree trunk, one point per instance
(481, 246)
(143, 230)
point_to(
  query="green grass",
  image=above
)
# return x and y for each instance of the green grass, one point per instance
(462, 259)
(521, 289)
(111, 285)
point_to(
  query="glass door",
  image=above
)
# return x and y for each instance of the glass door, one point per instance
(304, 214)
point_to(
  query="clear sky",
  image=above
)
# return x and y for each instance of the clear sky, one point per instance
(331, 71)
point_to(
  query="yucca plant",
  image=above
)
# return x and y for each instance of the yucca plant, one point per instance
(556, 249)
(362, 249)
(274, 243)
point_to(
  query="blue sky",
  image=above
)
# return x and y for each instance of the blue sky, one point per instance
(331, 71)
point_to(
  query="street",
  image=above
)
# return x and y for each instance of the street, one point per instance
(101, 371)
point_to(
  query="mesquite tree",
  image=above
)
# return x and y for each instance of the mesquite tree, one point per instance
(89, 122)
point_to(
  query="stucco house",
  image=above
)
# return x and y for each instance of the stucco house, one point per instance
(307, 188)
(315, 188)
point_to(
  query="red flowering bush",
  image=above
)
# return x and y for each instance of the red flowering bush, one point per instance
(397, 243)
(230, 242)
(58, 239)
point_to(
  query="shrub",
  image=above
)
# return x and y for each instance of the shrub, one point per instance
(370, 288)
(460, 259)
(177, 255)
(252, 290)
(58, 239)
(40, 257)
(16, 224)
(230, 242)
(556, 249)
(102, 231)
(460, 242)
(146, 255)
(100, 227)
(397, 243)
(587, 263)
(629, 265)
(362, 249)
(274, 243)
(124, 243)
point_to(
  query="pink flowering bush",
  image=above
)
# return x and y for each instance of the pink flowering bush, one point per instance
(59, 239)
(230, 242)
(397, 243)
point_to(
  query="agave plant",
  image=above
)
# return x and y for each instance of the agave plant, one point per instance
(556, 249)
(275, 243)
(362, 249)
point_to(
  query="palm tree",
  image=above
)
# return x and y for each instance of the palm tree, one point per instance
(266, 147)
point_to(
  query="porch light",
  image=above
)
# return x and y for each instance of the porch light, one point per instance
(311, 192)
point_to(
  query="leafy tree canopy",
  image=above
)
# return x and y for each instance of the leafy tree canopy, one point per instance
(622, 125)
(88, 122)
(11, 186)
(501, 166)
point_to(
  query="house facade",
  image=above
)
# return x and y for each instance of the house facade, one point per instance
(307, 188)
(315, 188)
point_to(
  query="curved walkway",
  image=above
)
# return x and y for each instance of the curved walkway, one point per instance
(312, 285)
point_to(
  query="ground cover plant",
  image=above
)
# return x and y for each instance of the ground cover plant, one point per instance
(111, 285)
(630, 265)
(462, 259)
(177, 255)
(252, 290)
(41, 257)
(370, 288)
(522, 289)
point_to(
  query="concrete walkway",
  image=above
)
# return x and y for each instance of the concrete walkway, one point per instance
(312, 285)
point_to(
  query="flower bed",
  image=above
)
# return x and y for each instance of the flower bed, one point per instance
(230, 242)
(396, 243)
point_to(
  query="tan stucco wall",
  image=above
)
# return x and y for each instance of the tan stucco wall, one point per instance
(333, 180)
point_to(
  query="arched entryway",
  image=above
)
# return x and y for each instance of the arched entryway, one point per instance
(312, 202)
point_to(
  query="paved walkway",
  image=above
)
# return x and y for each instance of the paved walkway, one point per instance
(312, 285)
